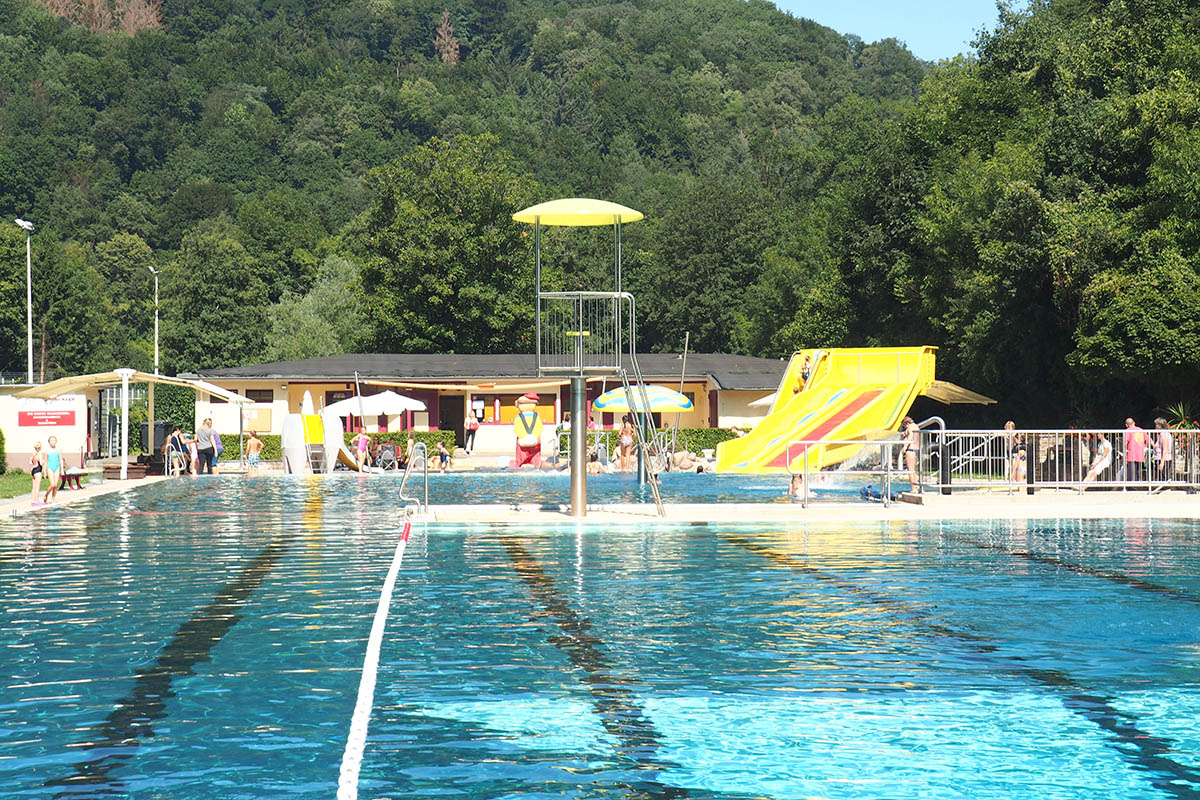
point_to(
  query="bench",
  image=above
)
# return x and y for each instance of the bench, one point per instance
(70, 479)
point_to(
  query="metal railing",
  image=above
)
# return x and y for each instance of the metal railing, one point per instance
(1153, 460)
(805, 449)
(419, 455)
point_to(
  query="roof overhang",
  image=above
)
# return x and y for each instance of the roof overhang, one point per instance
(77, 383)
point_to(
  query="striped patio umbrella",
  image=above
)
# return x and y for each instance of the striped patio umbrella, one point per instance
(661, 399)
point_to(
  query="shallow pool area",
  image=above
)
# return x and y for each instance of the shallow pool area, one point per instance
(205, 638)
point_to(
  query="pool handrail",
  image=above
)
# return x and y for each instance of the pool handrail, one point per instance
(419, 454)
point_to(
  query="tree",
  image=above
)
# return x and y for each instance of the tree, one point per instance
(444, 42)
(329, 320)
(212, 301)
(445, 268)
(12, 289)
(281, 231)
(709, 250)
(123, 263)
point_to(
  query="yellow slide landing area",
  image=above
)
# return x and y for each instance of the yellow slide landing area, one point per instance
(850, 393)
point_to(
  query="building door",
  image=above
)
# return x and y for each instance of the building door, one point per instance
(451, 409)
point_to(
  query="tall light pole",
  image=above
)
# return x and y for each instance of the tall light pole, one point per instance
(28, 226)
(152, 427)
(154, 272)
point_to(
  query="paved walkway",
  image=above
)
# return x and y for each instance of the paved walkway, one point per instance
(17, 506)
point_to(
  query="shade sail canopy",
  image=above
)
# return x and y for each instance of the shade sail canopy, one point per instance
(950, 393)
(766, 400)
(77, 383)
(578, 211)
(375, 404)
(661, 399)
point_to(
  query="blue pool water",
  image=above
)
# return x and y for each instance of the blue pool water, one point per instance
(201, 639)
(551, 487)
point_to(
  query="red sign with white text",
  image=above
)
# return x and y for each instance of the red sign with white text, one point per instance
(39, 419)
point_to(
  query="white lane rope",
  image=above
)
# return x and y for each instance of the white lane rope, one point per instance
(357, 739)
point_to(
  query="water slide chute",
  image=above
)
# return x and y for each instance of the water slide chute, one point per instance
(850, 393)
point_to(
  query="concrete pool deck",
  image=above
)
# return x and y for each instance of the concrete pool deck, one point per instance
(977, 504)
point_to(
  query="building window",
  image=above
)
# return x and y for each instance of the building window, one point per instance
(260, 395)
(691, 396)
(214, 398)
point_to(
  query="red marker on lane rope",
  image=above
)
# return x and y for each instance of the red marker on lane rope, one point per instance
(407, 528)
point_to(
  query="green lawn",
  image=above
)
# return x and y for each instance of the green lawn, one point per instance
(14, 484)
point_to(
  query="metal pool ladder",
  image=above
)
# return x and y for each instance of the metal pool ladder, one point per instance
(419, 454)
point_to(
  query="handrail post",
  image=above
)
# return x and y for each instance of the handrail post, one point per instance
(885, 454)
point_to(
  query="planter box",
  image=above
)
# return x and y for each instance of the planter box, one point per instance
(112, 472)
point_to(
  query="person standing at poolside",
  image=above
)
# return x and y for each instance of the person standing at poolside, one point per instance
(360, 443)
(37, 465)
(1164, 451)
(912, 449)
(177, 452)
(205, 448)
(626, 443)
(53, 462)
(254, 447)
(443, 456)
(408, 450)
(193, 454)
(1135, 451)
(470, 427)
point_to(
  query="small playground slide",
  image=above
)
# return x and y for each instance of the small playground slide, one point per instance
(307, 438)
(346, 458)
(851, 393)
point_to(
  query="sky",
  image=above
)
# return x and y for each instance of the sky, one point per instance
(932, 29)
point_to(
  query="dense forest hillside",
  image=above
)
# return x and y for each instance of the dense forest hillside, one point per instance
(315, 177)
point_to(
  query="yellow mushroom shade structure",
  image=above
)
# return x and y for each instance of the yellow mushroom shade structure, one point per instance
(577, 211)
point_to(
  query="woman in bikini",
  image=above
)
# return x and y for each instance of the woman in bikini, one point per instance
(912, 449)
(626, 440)
(37, 462)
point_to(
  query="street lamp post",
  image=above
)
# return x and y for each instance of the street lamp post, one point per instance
(152, 427)
(154, 272)
(28, 227)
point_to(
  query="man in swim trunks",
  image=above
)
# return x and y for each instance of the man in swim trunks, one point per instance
(254, 446)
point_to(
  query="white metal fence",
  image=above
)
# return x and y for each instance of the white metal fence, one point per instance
(1153, 460)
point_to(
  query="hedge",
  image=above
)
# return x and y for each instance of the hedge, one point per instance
(3, 455)
(694, 439)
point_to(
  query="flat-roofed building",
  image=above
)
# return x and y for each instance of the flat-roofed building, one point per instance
(720, 386)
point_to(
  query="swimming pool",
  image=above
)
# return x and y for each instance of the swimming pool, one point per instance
(199, 639)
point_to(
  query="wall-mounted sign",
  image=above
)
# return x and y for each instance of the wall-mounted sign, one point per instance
(34, 412)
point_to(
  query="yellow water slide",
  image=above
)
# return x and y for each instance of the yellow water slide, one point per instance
(851, 393)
